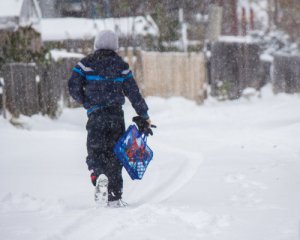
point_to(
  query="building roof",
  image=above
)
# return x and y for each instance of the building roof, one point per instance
(57, 29)
(15, 13)
(10, 8)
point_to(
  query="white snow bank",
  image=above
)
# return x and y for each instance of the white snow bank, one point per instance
(223, 170)
(57, 54)
(236, 39)
(56, 29)
(10, 8)
(266, 57)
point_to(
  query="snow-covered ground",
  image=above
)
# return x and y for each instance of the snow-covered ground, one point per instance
(223, 170)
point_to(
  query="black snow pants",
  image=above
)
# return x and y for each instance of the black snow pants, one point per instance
(105, 126)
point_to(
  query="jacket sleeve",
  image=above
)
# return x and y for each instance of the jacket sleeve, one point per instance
(131, 90)
(76, 84)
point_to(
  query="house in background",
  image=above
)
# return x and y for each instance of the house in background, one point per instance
(77, 34)
(41, 21)
(49, 8)
(75, 8)
(19, 13)
(20, 19)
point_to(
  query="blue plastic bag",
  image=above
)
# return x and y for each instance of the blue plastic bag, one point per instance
(133, 152)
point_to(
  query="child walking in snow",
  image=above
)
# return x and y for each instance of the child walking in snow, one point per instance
(100, 82)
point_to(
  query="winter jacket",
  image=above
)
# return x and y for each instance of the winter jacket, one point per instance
(103, 79)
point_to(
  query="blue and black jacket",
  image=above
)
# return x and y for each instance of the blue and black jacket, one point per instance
(103, 79)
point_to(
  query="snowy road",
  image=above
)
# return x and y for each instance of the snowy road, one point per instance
(224, 170)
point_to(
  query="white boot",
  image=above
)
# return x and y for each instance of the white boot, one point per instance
(101, 192)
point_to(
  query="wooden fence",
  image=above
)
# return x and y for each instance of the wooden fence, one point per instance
(286, 73)
(234, 67)
(173, 74)
(31, 88)
(20, 91)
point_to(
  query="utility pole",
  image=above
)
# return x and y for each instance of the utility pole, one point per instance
(273, 13)
(252, 16)
(234, 26)
(214, 27)
(244, 22)
(230, 19)
(106, 7)
(276, 7)
(183, 26)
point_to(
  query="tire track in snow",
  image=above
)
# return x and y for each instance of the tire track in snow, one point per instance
(171, 170)
(142, 222)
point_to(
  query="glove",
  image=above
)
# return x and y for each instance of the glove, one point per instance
(93, 178)
(143, 125)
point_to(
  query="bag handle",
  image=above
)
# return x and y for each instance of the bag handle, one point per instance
(143, 136)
